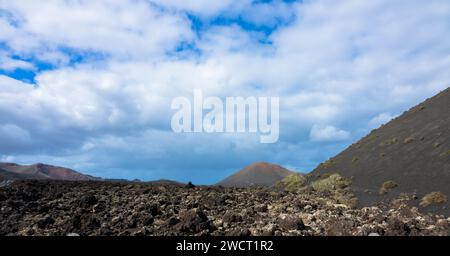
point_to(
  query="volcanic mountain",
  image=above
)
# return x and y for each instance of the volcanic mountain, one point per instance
(260, 174)
(12, 171)
(409, 154)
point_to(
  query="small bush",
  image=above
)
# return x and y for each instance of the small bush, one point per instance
(372, 136)
(327, 163)
(334, 182)
(408, 140)
(355, 160)
(326, 175)
(388, 142)
(387, 186)
(292, 182)
(392, 141)
(446, 153)
(433, 198)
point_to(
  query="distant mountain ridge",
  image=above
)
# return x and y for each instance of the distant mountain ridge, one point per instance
(257, 174)
(39, 171)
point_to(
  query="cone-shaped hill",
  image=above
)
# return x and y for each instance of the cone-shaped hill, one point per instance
(409, 154)
(261, 174)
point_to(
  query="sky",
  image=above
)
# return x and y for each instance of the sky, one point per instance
(88, 84)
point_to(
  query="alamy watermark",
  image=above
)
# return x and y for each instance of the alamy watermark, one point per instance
(236, 115)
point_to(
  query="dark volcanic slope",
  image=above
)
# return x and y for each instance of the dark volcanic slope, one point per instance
(412, 150)
(262, 174)
(40, 171)
(5, 175)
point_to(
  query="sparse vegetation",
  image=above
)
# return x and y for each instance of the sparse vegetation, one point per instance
(408, 140)
(372, 136)
(446, 153)
(387, 186)
(326, 175)
(292, 182)
(355, 160)
(392, 141)
(388, 142)
(433, 198)
(335, 181)
(327, 164)
(436, 145)
(418, 108)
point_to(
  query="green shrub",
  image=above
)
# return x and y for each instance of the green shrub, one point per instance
(372, 136)
(388, 142)
(387, 186)
(327, 163)
(292, 182)
(392, 141)
(433, 198)
(326, 175)
(355, 160)
(408, 140)
(333, 182)
(446, 153)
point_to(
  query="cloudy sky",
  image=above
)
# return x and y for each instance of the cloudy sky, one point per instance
(88, 84)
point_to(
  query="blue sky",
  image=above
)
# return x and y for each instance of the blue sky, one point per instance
(88, 84)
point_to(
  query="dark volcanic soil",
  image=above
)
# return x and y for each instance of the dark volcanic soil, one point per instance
(413, 150)
(107, 208)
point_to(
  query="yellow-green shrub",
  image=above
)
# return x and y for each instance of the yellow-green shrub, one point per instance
(387, 186)
(333, 182)
(433, 198)
(292, 182)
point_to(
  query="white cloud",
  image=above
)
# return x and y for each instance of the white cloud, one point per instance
(338, 62)
(13, 138)
(327, 133)
(14, 132)
(122, 29)
(7, 159)
(199, 7)
(268, 14)
(9, 64)
(380, 119)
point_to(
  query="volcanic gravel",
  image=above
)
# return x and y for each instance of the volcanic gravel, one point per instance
(113, 208)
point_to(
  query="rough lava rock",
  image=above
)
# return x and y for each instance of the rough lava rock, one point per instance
(131, 208)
